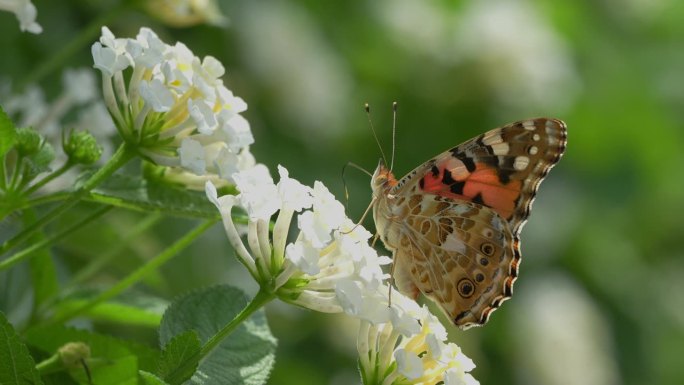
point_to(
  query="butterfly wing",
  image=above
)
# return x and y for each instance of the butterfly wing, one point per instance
(462, 213)
(460, 254)
(501, 168)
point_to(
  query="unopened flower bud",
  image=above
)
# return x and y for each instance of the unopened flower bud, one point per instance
(28, 141)
(72, 353)
(82, 148)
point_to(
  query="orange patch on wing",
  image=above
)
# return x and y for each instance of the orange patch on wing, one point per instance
(433, 184)
(483, 181)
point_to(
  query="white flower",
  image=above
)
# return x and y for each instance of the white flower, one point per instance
(109, 54)
(329, 211)
(331, 272)
(156, 95)
(173, 109)
(294, 195)
(192, 156)
(408, 364)
(26, 14)
(368, 305)
(416, 341)
(203, 116)
(331, 268)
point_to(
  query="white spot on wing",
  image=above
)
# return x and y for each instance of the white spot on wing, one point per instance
(460, 209)
(452, 243)
(497, 223)
(521, 163)
(529, 125)
(500, 148)
(492, 138)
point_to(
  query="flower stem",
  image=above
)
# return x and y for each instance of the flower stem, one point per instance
(3, 172)
(31, 250)
(50, 365)
(41, 200)
(16, 174)
(138, 274)
(120, 158)
(261, 299)
(48, 178)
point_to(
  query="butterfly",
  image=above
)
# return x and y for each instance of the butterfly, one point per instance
(453, 223)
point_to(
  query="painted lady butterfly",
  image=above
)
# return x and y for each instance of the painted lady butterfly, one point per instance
(453, 223)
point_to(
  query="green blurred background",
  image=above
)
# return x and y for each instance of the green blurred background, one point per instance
(601, 294)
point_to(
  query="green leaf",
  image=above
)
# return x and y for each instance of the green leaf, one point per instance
(139, 194)
(16, 365)
(184, 346)
(147, 378)
(112, 361)
(8, 133)
(245, 357)
(117, 312)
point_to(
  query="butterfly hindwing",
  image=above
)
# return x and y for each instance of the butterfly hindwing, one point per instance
(459, 254)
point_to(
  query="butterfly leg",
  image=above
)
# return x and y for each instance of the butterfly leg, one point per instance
(389, 295)
(365, 213)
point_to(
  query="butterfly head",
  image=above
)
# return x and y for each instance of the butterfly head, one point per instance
(383, 179)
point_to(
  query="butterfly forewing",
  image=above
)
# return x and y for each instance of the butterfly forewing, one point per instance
(501, 168)
(453, 222)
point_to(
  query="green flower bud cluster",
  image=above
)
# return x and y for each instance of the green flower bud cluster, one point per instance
(29, 142)
(82, 148)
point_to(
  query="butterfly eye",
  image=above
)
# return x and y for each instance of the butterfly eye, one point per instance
(466, 288)
(487, 248)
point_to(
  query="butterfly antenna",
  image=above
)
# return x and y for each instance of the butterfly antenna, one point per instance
(344, 181)
(367, 107)
(394, 132)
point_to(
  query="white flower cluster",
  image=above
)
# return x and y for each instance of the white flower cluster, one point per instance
(175, 108)
(410, 348)
(329, 254)
(330, 267)
(26, 13)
